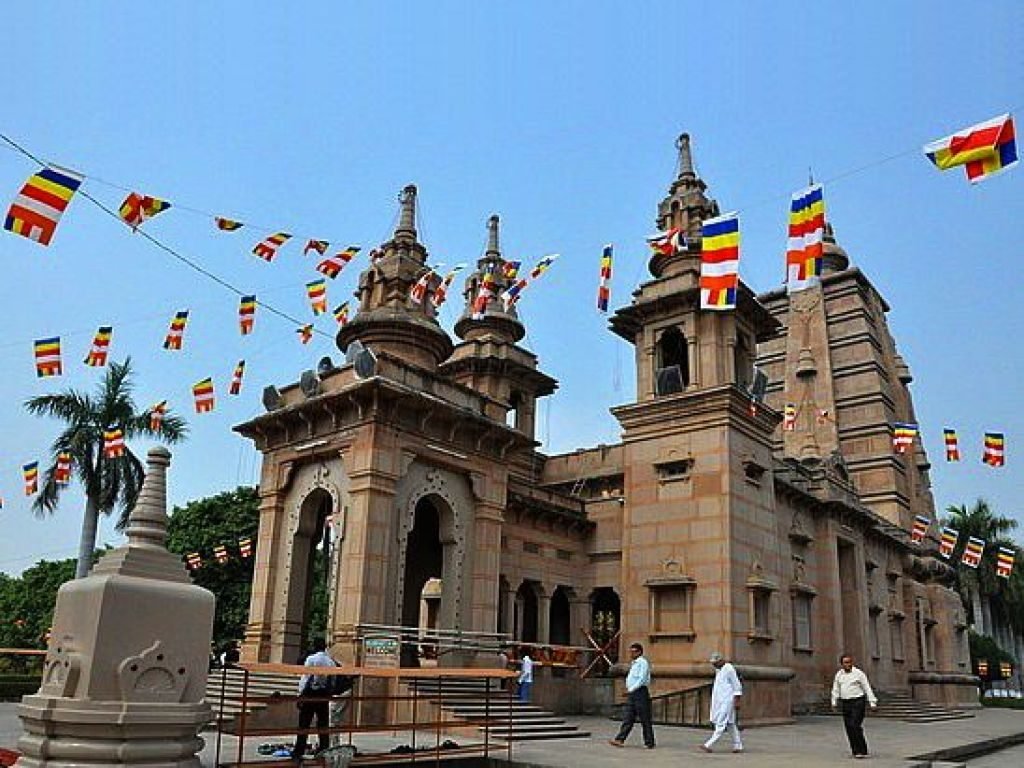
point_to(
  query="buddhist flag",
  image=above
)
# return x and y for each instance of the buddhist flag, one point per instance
(720, 262)
(176, 333)
(510, 269)
(441, 292)
(605, 276)
(267, 249)
(202, 394)
(972, 552)
(1004, 562)
(903, 435)
(789, 417)
(484, 295)
(341, 314)
(156, 415)
(984, 149)
(47, 353)
(246, 314)
(543, 265)
(952, 445)
(136, 208)
(332, 265)
(113, 443)
(100, 345)
(995, 449)
(62, 473)
(236, 379)
(221, 553)
(947, 542)
(317, 293)
(920, 529)
(806, 238)
(227, 225)
(305, 333)
(37, 209)
(31, 473)
(245, 548)
(194, 561)
(668, 243)
(511, 294)
(419, 288)
(320, 246)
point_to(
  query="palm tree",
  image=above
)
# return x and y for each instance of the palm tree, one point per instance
(109, 483)
(978, 586)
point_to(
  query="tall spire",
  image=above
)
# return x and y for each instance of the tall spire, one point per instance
(406, 229)
(493, 247)
(685, 157)
(496, 319)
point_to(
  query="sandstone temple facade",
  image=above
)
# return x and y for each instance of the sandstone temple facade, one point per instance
(708, 527)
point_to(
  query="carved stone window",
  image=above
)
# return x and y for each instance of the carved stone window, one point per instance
(674, 470)
(753, 470)
(759, 591)
(670, 602)
(802, 613)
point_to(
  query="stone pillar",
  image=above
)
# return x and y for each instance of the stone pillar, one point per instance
(124, 678)
(269, 559)
(543, 616)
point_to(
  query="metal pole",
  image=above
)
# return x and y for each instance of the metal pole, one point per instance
(440, 708)
(241, 721)
(487, 717)
(220, 713)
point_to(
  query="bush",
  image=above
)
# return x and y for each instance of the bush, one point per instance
(987, 701)
(13, 687)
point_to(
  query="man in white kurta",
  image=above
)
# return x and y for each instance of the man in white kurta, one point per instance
(725, 701)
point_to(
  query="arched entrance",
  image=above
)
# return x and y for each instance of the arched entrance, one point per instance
(424, 562)
(560, 618)
(526, 612)
(605, 617)
(308, 585)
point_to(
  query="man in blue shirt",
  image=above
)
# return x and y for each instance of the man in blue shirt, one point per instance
(638, 704)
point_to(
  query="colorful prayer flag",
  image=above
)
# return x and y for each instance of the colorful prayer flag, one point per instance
(341, 314)
(227, 225)
(136, 208)
(903, 435)
(305, 333)
(113, 443)
(947, 543)
(47, 352)
(202, 394)
(510, 269)
(317, 293)
(419, 288)
(246, 314)
(332, 265)
(221, 553)
(37, 209)
(1004, 562)
(984, 149)
(973, 551)
(194, 561)
(920, 529)
(236, 378)
(245, 547)
(720, 262)
(100, 345)
(320, 246)
(604, 276)
(669, 242)
(952, 445)
(995, 449)
(441, 292)
(806, 238)
(267, 249)
(789, 417)
(176, 333)
(62, 472)
(543, 265)
(31, 474)
(511, 294)
(484, 294)
(156, 415)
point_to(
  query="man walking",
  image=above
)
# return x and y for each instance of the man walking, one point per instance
(638, 702)
(852, 691)
(525, 676)
(314, 700)
(725, 702)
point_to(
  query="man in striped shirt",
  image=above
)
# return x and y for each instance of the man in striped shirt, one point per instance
(852, 691)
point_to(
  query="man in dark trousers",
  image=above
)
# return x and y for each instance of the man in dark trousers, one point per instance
(314, 699)
(638, 705)
(852, 691)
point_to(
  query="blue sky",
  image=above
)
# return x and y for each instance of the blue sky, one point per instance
(561, 118)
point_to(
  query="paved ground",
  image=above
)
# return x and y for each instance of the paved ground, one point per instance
(813, 742)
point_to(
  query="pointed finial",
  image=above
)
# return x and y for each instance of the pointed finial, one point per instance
(493, 246)
(810, 176)
(147, 524)
(407, 216)
(685, 156)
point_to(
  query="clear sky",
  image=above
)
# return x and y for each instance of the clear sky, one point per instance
(560, 117)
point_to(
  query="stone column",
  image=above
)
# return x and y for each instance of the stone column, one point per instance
(124, 678)
(543, 616)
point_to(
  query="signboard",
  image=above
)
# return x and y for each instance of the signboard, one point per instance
(381, 651)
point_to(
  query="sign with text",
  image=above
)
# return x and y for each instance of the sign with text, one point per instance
(381, 651)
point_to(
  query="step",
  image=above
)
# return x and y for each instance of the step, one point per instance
(569, 732)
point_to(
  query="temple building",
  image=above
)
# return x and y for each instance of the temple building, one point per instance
(708, 527)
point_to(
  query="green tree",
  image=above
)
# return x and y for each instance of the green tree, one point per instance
(108, 484)
(203, 524)
(27, 602)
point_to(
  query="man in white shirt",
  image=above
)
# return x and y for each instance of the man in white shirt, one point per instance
(525, 676)
(314, 699)
(638, 702)
(852, 691)
(725, 702)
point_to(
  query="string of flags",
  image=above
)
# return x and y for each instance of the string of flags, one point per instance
(720, 262)
(983, 150)
(974, 548)
(221, 554)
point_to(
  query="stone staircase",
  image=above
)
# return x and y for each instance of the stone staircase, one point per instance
(260, 684)
(502, 719)
(897, 705)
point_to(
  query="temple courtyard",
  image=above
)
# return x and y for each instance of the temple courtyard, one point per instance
(811, 741)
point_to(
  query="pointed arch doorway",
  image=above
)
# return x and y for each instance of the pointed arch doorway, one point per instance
(310, 565)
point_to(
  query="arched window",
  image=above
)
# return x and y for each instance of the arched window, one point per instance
(744, 362)
(515, 403)
(672, 364)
